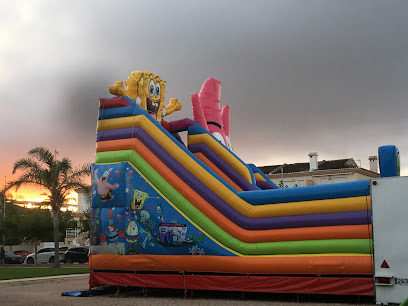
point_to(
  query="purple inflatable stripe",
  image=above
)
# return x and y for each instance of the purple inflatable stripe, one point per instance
(343, 218)
(222, 165)
(115, 134)
(264, 185)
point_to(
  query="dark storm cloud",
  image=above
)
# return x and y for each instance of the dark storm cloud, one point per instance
(326, 76)
(80, 101)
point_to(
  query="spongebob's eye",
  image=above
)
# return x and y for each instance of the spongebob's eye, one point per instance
(229, 146)
(219, 137)
(157, 89)
(151, 88)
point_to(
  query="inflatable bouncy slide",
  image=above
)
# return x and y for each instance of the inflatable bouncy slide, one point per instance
(169, 214)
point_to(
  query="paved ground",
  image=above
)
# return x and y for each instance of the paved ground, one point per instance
(47, 291)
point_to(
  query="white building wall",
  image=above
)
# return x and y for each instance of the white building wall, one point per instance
(319, 179)
(83, 202)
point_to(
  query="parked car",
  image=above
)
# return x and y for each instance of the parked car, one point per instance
(23, 253)
(46, 255)
(76, 254)
(12, 258)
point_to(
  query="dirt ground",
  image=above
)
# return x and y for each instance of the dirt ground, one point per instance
(47, 291)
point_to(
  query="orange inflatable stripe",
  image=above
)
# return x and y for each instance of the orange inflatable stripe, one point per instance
(217, 170)
(250, 236)
(116, 145)
(315, 265)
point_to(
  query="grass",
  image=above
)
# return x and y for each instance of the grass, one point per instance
(16, 273)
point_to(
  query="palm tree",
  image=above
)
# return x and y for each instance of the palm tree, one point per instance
(42, 169)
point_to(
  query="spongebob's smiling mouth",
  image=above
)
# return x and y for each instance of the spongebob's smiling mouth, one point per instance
(152, 107)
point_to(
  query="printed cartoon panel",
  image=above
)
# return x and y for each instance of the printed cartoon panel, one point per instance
(108, 185)
(145, 223)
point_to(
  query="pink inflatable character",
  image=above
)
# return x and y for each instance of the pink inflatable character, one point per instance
(207, 111)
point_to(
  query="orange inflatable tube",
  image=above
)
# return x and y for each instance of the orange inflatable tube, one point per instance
(316, 265)
(250, 236)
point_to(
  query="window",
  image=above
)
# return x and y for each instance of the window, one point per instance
(301, 183)
(324, 181)
(339, 179)
(288, 184)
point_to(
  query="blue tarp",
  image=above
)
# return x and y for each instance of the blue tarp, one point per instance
(85, 293)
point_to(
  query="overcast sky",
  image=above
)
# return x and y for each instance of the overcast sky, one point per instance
(299, 76)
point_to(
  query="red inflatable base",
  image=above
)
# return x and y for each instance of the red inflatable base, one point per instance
(362, 286)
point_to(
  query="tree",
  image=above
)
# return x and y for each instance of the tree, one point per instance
(66, 221)
(36, 225)
(85, 222)
(57, 177)
(10, 226)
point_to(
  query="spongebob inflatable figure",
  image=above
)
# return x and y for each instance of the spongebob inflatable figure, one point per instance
(147, 90)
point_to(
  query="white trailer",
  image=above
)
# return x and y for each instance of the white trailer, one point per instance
(389, 199)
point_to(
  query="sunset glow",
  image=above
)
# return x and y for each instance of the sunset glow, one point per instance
(34, 197)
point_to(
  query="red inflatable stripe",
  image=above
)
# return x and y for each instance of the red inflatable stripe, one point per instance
(113, 103)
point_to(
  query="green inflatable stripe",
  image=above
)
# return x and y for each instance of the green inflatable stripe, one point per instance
(359, 246)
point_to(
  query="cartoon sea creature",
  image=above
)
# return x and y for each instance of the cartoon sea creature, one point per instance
(195, 250)
(208, 113)
(132, 236)
(112, 234)
(138, 200)
(104, 188)
(144, 216)
(147, 90)
(148, 237)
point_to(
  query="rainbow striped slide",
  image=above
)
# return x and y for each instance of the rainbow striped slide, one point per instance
(159, 205)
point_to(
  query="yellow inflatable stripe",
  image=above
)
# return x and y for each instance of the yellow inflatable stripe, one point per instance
(259, 177)
(222, 152)
(260, 211)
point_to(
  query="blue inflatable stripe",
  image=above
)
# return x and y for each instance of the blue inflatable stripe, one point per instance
(110, 113)
(117, 112)
(196, 130)
(309, 193)
(255, 169)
